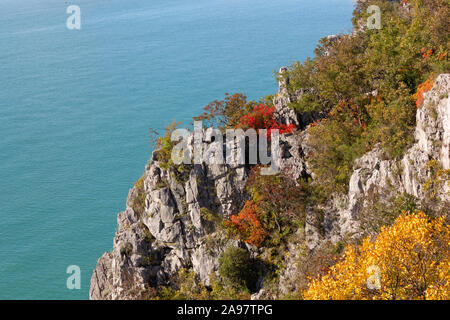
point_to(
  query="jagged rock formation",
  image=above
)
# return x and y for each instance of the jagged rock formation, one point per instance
(283, 98)
(171, 232)
(409, 174)
(173, 229)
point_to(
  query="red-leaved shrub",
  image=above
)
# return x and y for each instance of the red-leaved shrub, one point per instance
(262, 118)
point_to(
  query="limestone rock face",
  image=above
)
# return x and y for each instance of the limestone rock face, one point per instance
(409, 174)
(152, 246)
(292, 151)
(172, 228)
(433, 122)
(373, 174)
(284, 98)
(283, 113)
(101, 281)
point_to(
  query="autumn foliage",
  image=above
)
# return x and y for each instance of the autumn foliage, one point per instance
(422, 89)
(361, 86)
(262, 117)
(412, 257)
(227, 112)
(247, 224)
(426, 53)
(276, 202)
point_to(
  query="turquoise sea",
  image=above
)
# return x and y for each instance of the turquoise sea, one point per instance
(76, 107)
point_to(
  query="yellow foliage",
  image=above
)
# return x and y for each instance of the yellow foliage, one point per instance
(412, 257)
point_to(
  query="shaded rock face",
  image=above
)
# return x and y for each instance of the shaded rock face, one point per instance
(124, 272)
(172, 231)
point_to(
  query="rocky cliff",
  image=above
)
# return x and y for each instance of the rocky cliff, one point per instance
(167, 224)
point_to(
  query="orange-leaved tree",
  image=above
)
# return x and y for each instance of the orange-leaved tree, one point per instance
(247, 225)
(408, 260)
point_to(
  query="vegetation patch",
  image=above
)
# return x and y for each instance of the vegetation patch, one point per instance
(408, 260)
(369, 85)
(237, 267)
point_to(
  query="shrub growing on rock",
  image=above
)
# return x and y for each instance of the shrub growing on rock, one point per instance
(380, 74)
(276, 209)
(262, 117)
(138, 202)
(227, 112)
(236, 266)
(164, 147)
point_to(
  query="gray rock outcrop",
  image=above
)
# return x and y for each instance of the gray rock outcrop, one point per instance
(409, 174)
(172, 228)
